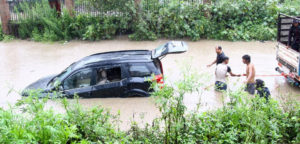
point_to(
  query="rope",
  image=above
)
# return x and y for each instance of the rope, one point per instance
(267, 75)
(275, 75)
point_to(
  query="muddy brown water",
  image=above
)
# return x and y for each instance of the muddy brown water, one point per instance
(23, 62)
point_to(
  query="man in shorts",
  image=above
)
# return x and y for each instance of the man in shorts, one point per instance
(250, 75)
(221, 74)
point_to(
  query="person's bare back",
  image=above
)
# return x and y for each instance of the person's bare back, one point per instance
(250, 73)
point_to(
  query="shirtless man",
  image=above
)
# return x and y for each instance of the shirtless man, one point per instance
(250, 74)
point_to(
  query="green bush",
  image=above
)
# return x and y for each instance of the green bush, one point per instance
(4, 37)
(37, 124)
(44, 24)
(152, 19)
(245, 20)
(142, 32)
(223, 20)
(251, 121)
(1, 33)
(242, 120)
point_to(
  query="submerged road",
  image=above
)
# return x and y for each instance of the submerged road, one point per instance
(23, 62)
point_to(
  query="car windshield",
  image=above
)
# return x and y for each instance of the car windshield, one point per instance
(57, 80)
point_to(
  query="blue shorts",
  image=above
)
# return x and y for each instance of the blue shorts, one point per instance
(220, 85)
(250, 88)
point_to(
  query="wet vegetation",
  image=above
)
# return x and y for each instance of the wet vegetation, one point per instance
(1, 33)
(153, 19)
(242, 120)
(4, 37)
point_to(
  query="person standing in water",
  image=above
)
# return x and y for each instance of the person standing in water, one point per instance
(220, 56)
(221, 74)
(250, 75)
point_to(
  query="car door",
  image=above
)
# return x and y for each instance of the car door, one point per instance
(172, 47)
(139, 76)
(115, 84)
(79, 82)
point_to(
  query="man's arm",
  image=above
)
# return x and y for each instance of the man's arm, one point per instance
(230, 72)
(234, 75)
(212, 63)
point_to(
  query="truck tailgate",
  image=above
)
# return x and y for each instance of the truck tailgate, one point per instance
(288, 57)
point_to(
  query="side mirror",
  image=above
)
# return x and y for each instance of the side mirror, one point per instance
(61, 88)
(57, 85)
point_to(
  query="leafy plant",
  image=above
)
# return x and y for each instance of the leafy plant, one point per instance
(242, 120)
(1, 33)
(153, 19)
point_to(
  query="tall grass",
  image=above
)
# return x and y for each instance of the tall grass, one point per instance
(242, 120)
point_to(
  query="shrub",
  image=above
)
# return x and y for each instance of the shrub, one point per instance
(242, 120)
(44, 24)
(35, 125)
(223, 20)
(4, 37)
(143, 32)
(152, 19)
(1, 33)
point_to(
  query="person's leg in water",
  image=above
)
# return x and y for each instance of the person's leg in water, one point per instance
(221, 86)
(250, 88)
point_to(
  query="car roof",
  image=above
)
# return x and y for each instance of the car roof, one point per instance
(114, 57)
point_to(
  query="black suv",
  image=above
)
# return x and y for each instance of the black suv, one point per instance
(110, 74)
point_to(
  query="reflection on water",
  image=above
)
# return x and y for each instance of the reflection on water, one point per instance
(23, 62)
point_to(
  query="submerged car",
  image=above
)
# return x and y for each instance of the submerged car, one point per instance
(109, 74)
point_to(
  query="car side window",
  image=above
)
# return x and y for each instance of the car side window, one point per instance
(108, 75)
(80, 79)
(139, 71)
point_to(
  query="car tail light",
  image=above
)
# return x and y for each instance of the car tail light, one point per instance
(297, 77)
(159, 79)
(161, 68)
(279, 64)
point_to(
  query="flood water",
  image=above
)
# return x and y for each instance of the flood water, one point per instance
(23, 62)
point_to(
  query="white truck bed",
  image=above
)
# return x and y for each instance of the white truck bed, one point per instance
(288, 59)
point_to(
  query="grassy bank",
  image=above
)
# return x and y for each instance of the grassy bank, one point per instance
(242, 120)
(153, 19)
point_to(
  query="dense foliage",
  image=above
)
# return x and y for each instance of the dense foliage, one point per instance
(1, 33)
(224, 20)
(242, 120)
(152, 19)
(44, 24)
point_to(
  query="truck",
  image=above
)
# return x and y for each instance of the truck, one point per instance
(287, 58)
